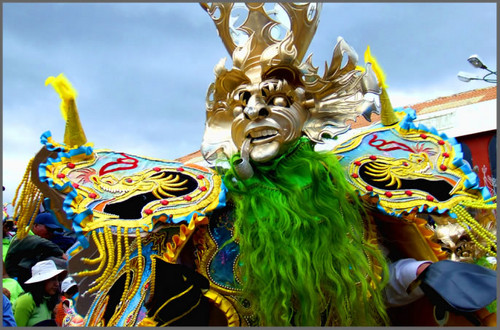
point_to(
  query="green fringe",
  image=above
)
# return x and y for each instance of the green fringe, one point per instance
(302, 254)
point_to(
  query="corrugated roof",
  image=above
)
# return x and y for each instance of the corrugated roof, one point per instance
(192, 156)
(441, 103)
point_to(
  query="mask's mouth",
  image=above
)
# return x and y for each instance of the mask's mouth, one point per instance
(262, 136)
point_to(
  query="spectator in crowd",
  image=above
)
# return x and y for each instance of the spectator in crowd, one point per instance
(65, 313)
(8, 227)
(35, 307)
(11, 287)
(24, 254)
(8, 317)
(69, 288)
(46, 226)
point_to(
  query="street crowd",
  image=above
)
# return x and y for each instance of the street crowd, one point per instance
(37, 290)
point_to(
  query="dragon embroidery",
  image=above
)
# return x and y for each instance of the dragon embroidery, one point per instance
(417, 166)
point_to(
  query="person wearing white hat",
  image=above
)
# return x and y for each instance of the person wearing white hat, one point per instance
(35, 306)
(69, 287)
(65, 312)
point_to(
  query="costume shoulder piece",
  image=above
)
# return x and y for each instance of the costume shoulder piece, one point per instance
(417, 181)
(111, 189)
(128, 211)
(409, 166)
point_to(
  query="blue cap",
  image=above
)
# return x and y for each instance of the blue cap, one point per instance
(48, 220)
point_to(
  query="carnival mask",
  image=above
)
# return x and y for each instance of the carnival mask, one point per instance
(456, 242)
(460, 242)
(269, 99)
(268, 117)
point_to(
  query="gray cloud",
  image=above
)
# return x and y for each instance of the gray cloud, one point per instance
(142, 70)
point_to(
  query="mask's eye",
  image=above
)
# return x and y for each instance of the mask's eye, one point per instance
(244, 97)
(279, 101)
(237, 110)
(446, 249)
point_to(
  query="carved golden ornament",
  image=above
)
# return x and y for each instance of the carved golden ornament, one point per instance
(465, 239)
(255, 90)
(259, 36)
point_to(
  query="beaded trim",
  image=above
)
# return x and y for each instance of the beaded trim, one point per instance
(26, 208)
(473, 228)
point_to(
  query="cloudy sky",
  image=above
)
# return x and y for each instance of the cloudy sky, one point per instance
(142, 70)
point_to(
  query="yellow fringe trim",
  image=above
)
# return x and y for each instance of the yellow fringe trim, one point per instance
(26, 208)
(473, 228)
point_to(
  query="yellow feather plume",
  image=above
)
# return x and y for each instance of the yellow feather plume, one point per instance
(63, 87)
(376, 68)
(387, 115)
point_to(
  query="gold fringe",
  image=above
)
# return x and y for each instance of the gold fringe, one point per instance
(30, 199)
(137, 281)
(100, 243)
(108, 241)
(109, 280)
(127, 267)
(94, 261)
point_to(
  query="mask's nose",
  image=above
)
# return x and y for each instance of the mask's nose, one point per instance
(255, 108)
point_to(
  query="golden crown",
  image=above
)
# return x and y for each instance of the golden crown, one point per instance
(248, 29)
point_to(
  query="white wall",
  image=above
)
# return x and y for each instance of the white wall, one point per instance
(463, 120)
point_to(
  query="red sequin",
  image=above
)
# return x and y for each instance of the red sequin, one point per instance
(148, 211)
(423, 136)
(203, 188)
(164, 202)
(369, 188)
(92, 195)
(188, 198)
(70, 165)
(200, 177)
(157, 169)
(61, 175)
(180, 169)
(441, 142)
(388, 194)
(357, 163)
(429, 198)
(443, 167)
(354, 175)
(76, 185)
(408, 192)
(446, 155)
(373, 157)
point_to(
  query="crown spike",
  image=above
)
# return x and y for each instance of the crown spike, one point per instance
(263, 28)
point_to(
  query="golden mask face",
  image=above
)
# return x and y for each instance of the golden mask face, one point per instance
(454, 239)
(269, 116)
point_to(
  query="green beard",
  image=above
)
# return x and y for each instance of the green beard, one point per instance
(303, 257)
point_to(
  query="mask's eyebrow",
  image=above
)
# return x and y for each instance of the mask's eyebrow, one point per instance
(273, 86)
